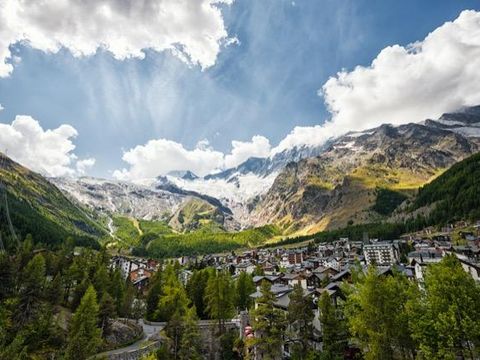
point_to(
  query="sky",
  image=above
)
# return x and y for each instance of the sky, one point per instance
(134, 89)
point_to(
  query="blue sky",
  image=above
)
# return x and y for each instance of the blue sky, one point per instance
(266, 84)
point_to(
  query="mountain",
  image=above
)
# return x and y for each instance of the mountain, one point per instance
(159, 199)
(466, 121)
(349, 181)
(119, 197)
(182, 174)
(38, 207)
(197, 213)
(454, 195)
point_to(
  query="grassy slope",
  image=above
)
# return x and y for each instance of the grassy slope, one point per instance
(38, 207)
(204, 241)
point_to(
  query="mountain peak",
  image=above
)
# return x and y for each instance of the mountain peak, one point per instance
(183, 174)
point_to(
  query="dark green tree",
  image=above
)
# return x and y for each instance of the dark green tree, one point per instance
(219, 298)
(300, 317)
(196, 290)
(153, 296)
(446, 320)
(334, 332)
(106, 312)
(190, 347)
(84, 337)
(31, 290)
(244, 287)
(269, 324)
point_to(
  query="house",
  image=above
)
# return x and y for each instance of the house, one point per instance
(247, 267)
(140, 277)
(294, 279)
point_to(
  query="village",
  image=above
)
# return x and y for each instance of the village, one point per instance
(322, 267)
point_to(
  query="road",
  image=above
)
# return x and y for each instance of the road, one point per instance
(148, 332)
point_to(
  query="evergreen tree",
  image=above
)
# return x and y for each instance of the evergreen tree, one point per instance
(334, 336)
(269, 324)
(153, 295)
(84, 336)
(31, 289)
(54, 291)
(101, 281)
(244, 287)
(117, 289)
(106, 312)
(190, 348)
(78, 293)
(446, 321)
(300, 317)
(196, 290)
(174, 299)
(7, 279)
(219, 298)
(378, 317)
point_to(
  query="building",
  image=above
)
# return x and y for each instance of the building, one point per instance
(381, 253)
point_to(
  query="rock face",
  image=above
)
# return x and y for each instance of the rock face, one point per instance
(340, 185)
(123, 198)
(123, 333)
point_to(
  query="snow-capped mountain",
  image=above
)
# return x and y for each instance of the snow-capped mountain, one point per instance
(465, 122)
(242, 193)
(119, 197)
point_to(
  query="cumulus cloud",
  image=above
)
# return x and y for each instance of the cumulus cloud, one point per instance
(193, 30)
(49, 152)
(84, 165)
(242, 150)
(159, 157)
(403, 84)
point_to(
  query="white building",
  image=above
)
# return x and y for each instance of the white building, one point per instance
(381, 253)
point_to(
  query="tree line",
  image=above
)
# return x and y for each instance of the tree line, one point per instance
(55, 305)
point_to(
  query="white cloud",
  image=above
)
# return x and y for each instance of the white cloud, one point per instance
(83, 165)
(192, 30)
(49, 152)
(159, 157)
(403, 84)
(242, 150)
(1, 107)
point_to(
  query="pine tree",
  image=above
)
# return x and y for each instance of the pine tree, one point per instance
(31, 290)
(196, 290)
(244, 287)
(54, 291)
(446, 321)
(378, 317)
(106, 312)
(269, 325)
(300, 317)
(174, 298)
(153, 295)
(219, 298)
(7, 280)
(334, 336)
(101, 281)
(190, 348)
(117, 289)
(84, 336)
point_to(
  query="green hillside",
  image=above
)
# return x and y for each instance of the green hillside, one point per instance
(204, 241)
(39, 208)
(195, 214)
(455, 193)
